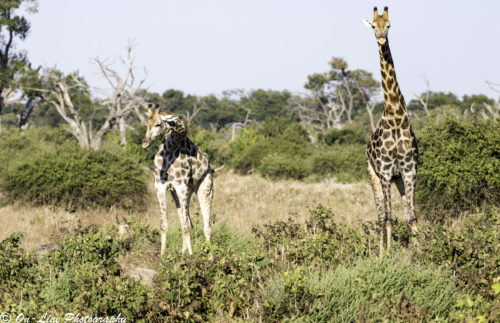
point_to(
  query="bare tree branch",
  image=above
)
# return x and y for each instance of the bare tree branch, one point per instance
(236, 125)
(425, 100)
(125, 96)
(190, 115)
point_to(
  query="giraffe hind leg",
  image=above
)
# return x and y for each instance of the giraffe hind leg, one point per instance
(411, 218)
(205, 195)
(379, 203)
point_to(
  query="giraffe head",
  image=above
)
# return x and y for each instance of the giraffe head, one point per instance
(159, 121)
(380, 24)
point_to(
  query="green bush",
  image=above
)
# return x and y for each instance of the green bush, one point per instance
(321, 243)
(350, 135)
(458, 168)
(313, 271)
(16, 145)
(346, 162)
(73, 178)
(471, 251)
(275, 166)
(391, 288)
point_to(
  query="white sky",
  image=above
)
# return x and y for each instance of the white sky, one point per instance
(208, 46)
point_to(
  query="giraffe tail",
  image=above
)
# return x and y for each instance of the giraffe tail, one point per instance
(216, 169)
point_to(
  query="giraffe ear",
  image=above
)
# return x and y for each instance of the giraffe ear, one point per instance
(368, 23)
(375, 14)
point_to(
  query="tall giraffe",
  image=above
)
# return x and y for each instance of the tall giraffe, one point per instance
(392, 151)
(181, 168)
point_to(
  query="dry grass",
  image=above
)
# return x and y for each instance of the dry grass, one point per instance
(241, 201)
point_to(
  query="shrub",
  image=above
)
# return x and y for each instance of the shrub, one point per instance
(471, 251)
(458, 168)
(313, 271)
(77, 179)
(350, 135)
(275, 166)
(391, 288)
(321, 242)
(15, 145)
(347, 162)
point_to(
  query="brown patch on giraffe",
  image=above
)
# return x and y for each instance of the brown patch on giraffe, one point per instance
(393, 98)
(390, 83)
(405, 124)
(386, 159)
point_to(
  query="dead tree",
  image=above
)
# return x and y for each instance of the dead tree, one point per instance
(317, 113)
(23, 115)
(236, 125)
(125, 95)
(190, 115)
(424, 99)
(58, 93)
(492, 112)
(369, 108)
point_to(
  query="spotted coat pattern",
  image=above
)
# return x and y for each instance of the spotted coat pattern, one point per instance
(182, 169)
(392, 151)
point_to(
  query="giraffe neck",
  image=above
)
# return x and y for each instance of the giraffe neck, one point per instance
(174, 138)
(394, 100)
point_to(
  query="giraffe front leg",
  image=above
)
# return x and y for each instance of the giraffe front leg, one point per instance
(386, 189)
(205, 195)
(379, 203)
(161, 193)
(184, 196)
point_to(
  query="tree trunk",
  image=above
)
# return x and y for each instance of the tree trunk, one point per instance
(122, 125)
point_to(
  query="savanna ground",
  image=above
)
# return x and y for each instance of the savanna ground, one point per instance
(241, 201)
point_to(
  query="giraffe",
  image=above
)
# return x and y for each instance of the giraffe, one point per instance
(392, 151)
(181, 168)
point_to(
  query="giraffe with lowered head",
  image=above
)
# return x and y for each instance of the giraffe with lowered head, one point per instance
(392, 151)
(181, 168)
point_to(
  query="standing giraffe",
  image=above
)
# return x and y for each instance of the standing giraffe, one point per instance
(181, 168)
(392, 151)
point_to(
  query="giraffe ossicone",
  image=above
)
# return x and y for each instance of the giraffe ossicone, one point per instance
(392, 152)
(180, 168)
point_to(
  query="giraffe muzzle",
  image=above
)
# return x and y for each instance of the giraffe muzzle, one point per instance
(381, 40)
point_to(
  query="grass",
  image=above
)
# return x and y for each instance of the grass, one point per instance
(393, 281)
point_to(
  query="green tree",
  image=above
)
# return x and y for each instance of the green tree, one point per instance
(265, 104)
(341, 92)
(12, 27)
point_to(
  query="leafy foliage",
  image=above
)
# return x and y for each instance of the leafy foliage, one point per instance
(458, 169)
(472, 251)
(73, 178)
(313, 271)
